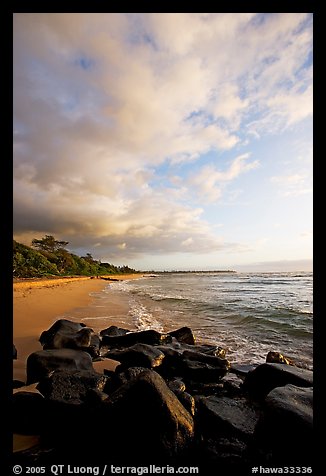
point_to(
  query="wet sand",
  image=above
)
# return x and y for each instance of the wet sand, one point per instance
(39, 303)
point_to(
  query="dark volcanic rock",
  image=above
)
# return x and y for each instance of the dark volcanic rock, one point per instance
(114, 331)
(208, 359)
(14, 355)
(61, 325)
(277, 358)
(27, 413)
(71, 335)
(41, 363)
(226, 416)
(184, 334)
(176, 385)
(149, 337)
(287, 424)
(241, 370)
(138, 355)
(123, 376)
(155, 422)
(187, 401)
(267, 376)
(204, 372)
(71, 385)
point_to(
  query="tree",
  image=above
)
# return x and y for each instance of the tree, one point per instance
(48, 243)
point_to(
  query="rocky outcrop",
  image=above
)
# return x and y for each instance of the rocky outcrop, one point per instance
(41, 363)
(169, 400)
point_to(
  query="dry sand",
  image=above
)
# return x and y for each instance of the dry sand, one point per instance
(39, 303)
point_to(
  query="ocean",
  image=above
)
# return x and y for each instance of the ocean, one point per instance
(248, 314)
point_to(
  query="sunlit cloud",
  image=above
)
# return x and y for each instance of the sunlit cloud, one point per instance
(117, 119)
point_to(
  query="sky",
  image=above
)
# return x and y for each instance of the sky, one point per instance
(166, 141)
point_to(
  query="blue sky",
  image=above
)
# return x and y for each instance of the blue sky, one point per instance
(166, 141)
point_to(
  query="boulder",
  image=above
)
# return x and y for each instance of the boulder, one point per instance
(41, 363)
(278, 358)
(155, 423)
(71, 386)
(225, 417)
(208, 359)
(61, 325)
(204, 372)
(241, 370)
(27, 413)
(124, 375)
(150, 337)
(187, 401)
(286, 426)
(114, 331)
(14, 355)
(260, 381)
(71, 335)
(207, 388)
(176, 385)
(184, 335)
(138, 355)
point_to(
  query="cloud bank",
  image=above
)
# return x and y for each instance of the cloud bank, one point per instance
(109, 109)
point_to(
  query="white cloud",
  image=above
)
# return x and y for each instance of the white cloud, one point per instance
(102, 100)
(293, 185)
(209, 181)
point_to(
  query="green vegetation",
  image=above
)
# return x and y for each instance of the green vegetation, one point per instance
(52, 259)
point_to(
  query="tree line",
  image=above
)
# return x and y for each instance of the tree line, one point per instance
(49, 257)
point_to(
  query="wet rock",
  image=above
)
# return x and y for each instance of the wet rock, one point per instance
(278, 358)
(226, 416)
(124, 376)
(187, 401)
(286, 427)
(208, 359)
(232, 385)
(14, 354)
(150, 337)
(71, 386)
(176, 385)
(155, 422)
(242, 369)
(266, 377)
(184, 335)
(41, 363)
(114, 331)
(61, 325)
(71, 335)
(204, 372)
(138, 355)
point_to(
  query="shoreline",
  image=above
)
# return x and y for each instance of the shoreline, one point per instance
(38, 303)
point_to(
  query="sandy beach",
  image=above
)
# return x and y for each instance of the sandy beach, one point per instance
(39, 303)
